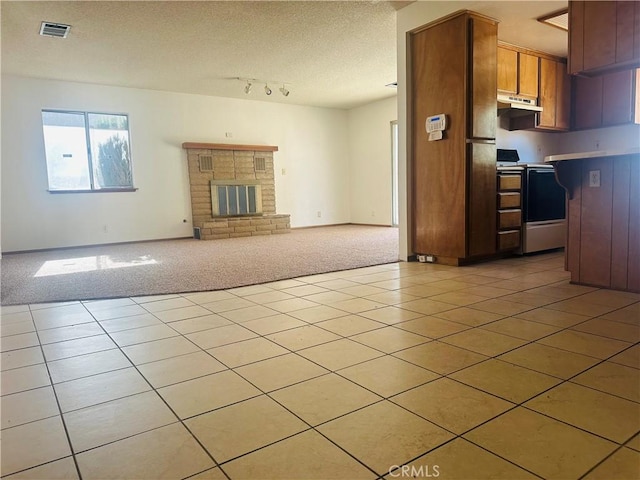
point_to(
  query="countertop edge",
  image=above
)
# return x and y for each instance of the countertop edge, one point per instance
(595, 154)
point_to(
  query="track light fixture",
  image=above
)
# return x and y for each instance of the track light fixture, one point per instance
(267, 90)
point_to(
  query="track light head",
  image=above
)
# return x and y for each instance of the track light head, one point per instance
(247, 89)
(284, 91)
(267, 90)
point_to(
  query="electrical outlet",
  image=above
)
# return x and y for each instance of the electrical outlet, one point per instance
(228, 134)
(594, 178)
(319, 214)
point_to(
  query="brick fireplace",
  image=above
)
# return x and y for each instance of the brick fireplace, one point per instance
(233, 191)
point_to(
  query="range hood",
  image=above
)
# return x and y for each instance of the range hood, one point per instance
(516, 106)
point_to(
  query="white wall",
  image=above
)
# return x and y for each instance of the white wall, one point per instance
(532, 146)
(313, 151)
(622, 137)
(370, 162)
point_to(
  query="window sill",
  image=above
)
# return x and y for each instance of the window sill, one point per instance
(101, 190)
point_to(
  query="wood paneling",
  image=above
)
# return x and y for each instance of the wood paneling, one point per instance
(603, 247)
(595, 232)
(620, 224)
(633, 268)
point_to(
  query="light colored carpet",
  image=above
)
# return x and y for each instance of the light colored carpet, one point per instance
(187, 265)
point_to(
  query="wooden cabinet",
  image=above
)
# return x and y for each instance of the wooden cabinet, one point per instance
(517, 72)
(606, 100)
(453, 181)
(555, 95)
(603, 231)
(509, 209)
(603, 36)
(537, 75)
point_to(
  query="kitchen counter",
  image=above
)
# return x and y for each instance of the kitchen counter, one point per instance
(595, 154)
(603, 217)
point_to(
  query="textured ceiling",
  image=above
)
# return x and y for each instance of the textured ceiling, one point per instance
(329, 53)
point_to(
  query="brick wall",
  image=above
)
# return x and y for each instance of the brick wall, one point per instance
(231, 163)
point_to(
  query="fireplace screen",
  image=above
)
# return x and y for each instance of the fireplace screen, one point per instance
(235, 199)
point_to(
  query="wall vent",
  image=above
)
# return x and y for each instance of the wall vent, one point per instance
(58, 30)
(260, 164)
(206, 163)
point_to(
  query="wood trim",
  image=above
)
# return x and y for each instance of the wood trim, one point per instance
(451, 16)
(227, 146)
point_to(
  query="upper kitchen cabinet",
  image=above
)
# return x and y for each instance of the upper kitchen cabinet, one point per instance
(540, 77)
(604, 36)
(607, 100)
(517, 72)
(453, 173)
(555, 95)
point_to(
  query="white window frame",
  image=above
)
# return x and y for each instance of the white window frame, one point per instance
(93, 183)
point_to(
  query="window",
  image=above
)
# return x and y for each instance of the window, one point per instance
(87, 151)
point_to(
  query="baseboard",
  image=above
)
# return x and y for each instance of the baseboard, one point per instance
(343, 224)
(57, 249)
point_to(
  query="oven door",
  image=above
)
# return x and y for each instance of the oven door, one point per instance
(544, 197)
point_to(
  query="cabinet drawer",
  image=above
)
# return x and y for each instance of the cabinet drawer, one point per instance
(509, 200)
(509, 182)
(509, 219)
(508, 240)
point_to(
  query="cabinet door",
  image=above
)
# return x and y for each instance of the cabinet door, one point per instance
(599, 34)
(617, 98)
(482, 101)
(587, 105)
(507, 70)
(626, 17)
(528, 75)
(563, 96)
(482, 205)
(548, 93)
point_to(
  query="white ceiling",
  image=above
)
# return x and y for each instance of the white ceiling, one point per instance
(337, 54)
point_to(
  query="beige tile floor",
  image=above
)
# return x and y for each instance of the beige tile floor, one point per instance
(501, 370)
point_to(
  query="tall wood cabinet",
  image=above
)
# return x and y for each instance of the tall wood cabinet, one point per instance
(453, 72)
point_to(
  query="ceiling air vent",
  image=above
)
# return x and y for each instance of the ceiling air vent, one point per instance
(58, 30)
